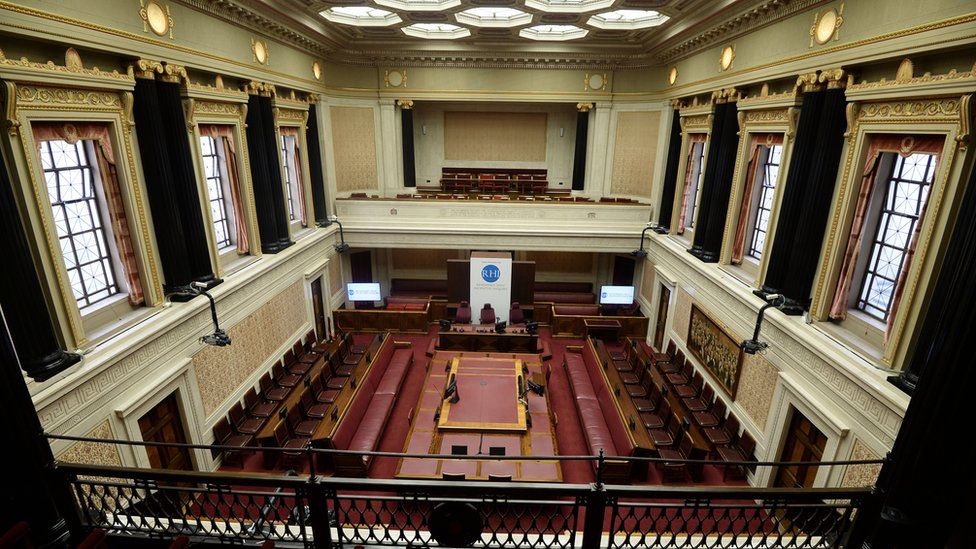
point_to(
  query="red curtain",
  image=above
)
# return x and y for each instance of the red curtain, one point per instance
(226, 134)
(904, 145)
(758, 142)
(689, 170)
(290, 131)
(72, 132)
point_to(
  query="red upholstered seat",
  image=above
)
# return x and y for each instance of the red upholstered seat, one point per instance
(595, 429)
(487, 314)
(257, 407)
(463, 314)
(516, 315)
(371, 427)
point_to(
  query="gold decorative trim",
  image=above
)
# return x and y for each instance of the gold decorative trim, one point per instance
(826, 25)
(905, 77)
(10, 107)
(259, 49)
(260, 88)
(396, 78)
(174, 73)
(156, 18)
(317, 70)
(405, 104)
(584, 107)
(599, 85)
(72, 66)
(726, 57)
(146, 68)
(672, 76)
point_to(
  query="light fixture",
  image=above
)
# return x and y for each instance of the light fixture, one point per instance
(753, 346)
(562, 132)
(218, 338)
(341, 246)
(641, 252)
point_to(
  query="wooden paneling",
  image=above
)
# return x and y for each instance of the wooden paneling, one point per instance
(365, 320)
(488, 341)
(562, 262)
(163, 423)
(572, 325)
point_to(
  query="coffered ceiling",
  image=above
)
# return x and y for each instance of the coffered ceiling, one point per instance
(555, 33)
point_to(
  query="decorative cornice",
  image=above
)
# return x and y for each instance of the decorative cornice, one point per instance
(73, 68)
(764, 14)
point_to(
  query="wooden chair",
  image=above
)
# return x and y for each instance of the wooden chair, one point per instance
(650, 402)
(225, 436)
(743, 449)
(723, 434)
(283, 378)
(702, 402)
(256, 406)
(690, 390)
(311, 408)
(657, 419)
(298, 425)
(710, 418)
(269, 391)
(242, 423)
(293, 457)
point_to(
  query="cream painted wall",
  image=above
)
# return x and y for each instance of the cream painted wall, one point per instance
(429, 147)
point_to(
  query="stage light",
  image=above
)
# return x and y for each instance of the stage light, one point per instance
(218, 338)
(341, 246)
(753, 346)
(641, 253)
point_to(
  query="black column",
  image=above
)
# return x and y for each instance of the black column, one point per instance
(21, 295)
(265, 177)
(163, 203)
(812, 218)
(794, 189)
(184, 182)
(409, 163)
(670, 175)
(925, 488)
(273, 148)
(32, 492)
(716, 184)
(316, 166)
(579, 155)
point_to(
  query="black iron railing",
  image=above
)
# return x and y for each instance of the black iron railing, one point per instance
(327, 512)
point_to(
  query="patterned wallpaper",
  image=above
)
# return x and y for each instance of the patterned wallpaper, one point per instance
(682, 315)
(335, 274)
(634, 151)
(495, 136)
(422, 259)
(757, 381)
(354, 144)
(648, 282)
(221, 370)
(562, 262)
(91, 453)
(861, 475)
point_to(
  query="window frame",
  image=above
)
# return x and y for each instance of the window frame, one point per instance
(293, 114)
(225, 198)
(760, 193)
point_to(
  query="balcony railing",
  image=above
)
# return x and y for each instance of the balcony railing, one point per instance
(328, 512)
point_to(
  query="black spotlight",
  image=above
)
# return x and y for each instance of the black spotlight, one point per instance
(641, 252)
(753, 346)
(341, 246)
(218, 338)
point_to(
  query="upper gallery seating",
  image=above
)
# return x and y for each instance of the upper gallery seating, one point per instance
(494, 180)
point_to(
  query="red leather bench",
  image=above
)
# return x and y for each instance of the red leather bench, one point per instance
(564, 297)
(573, 287)
(416, 287)
(577, 310)
(367, 415)
(600, 420)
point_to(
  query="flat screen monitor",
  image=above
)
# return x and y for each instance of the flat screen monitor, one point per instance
(370, 291)
(616, 295)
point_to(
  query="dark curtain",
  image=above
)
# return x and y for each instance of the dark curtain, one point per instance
(716, 184)
(670, 173)
(160, 190)
(409, 165)
(924, 490)
(22, 297)
(316, 166)
(273, 148)
(579, 156)
(265, 175)
(184, 180)
(794, 189)
(821, 180)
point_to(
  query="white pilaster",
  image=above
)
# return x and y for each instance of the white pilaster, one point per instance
(596, 151)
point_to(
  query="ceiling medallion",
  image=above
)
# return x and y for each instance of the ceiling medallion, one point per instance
(673, 75)
(728, 55)
(155, 18)
(826, 25)
(260, 50)
(317, 70)
(595, 82)
(395, 78)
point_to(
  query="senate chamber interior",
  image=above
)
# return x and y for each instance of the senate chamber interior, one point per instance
(560, 274)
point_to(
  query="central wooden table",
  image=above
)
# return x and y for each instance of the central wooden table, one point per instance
(482, 337)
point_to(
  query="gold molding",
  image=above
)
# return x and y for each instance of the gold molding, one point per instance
(403, 78)
(10, 107)
(146, 68)
(588, 85)
(260, 88)
(260, 51)
(832, 17)
(69, 68)
(585, 107)
(726, 57)
(174, 73)
(405, 104)
(149, 23)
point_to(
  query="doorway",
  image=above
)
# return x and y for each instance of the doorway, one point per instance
(164, 423)
(804, 442)
(664, 301)
(318, 309)
(623, 270)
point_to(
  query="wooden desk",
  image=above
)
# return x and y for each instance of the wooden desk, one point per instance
(327, 427)
(628, 412)
(360, 320)
(601, 328)
(470, 339)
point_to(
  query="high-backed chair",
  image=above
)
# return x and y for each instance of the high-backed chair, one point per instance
(741, 450)
(487, 314)
(256, 406)
(724, 433)
(710, 418)
(690, 390)
(242, 423)
(515, 314)
(225, 436)
(271, 392)
(463, 314)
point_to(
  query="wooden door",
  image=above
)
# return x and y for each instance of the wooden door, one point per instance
(804, 442)
(318, 309)
(361, 265)
(163, 423)
(623, 270)
(664, 300)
